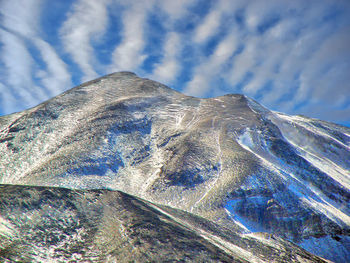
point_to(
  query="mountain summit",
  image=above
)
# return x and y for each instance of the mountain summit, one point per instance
(224, 163)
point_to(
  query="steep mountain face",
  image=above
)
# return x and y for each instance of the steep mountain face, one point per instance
(226, 159)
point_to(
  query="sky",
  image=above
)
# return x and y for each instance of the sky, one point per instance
(292, 56)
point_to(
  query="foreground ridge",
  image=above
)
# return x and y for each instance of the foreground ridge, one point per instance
(42, 224)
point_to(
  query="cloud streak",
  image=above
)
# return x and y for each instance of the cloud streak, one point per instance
(129, 54)
(85, 23)
(20, 29)
(167, 70)
(208, 28)
(18, 65)
(211, 68)
(55, 76)
(14, 54)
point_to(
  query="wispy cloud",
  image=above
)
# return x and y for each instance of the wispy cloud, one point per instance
(175, 9)
(326, 70)
(14, 54)
(55, 76)
(128, 55)
(21, 16)
(167, 70)
(215, 20)
(18, 65)
(208, 27)
(86, 22)
(20, 22)
(211, 67)
(8, 101)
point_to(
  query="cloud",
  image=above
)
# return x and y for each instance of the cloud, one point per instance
(55, 77)
(16, 21)
(86, 22)
(21, 30)
(176, 9)
(167, 70)
(288, 54)
(7, 100)
(327, 70)
(220, 13)
(258, 13)
(128, 55)
(244, 62)
(211, 68)
(21, 16)
(18, 65)
(208, 28)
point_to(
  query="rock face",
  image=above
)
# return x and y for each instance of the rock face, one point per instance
(226, 159)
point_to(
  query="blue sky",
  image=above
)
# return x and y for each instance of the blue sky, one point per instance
(292, 56)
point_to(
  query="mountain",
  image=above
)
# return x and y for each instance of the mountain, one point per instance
(227, 161)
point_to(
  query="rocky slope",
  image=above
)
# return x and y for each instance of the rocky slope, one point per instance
(226, 159)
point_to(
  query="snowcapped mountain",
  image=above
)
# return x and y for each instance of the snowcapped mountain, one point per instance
(229, 160)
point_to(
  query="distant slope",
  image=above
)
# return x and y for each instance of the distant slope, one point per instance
(42, 224)
(227, 159)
